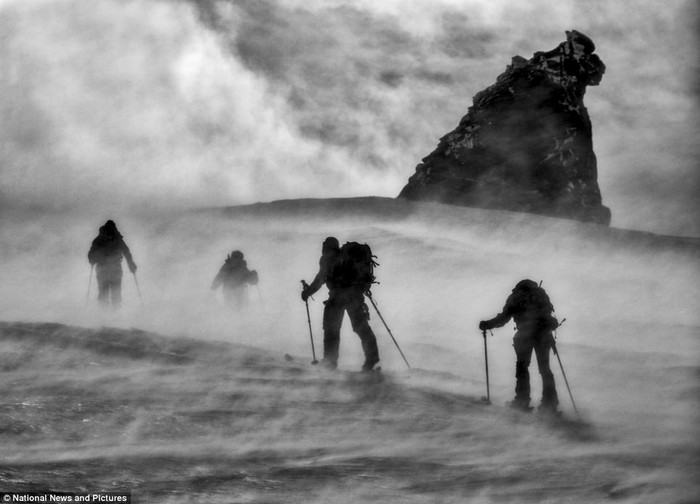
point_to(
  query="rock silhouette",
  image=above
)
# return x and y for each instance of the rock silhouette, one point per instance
(526, 143)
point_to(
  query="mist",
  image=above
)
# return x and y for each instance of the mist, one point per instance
(629, 345)
(305, 119)
(116, 105)
(477, 256)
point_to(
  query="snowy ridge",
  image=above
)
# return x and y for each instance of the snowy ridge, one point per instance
(392, 210)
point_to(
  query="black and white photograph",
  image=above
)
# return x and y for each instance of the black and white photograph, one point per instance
(350, 251)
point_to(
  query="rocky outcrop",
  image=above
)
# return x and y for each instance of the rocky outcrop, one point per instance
(526, 142)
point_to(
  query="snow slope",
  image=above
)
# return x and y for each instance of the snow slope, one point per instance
(177, 398)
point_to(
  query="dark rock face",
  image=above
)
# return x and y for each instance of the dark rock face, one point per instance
(526, 142)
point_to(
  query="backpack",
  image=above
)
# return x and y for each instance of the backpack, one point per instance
(534, 306)
(354, 266)
(545, 310)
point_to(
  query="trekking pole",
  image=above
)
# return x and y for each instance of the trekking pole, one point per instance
(486, 399)
(556, 352)
(257, 287)
(369, 295)
(87, 298)
(308, 318)
(136, 280)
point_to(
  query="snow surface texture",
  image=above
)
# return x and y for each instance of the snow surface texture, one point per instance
(183, 399)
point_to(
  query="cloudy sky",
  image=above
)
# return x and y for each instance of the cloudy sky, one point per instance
(119, 103)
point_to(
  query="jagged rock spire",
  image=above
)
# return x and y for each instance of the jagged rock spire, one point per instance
(526, 142)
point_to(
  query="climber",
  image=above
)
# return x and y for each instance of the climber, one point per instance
(106, 255)
(234, 277)
(530, 308)
(347, 274)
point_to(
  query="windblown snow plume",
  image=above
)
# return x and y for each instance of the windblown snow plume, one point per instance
(121, 103)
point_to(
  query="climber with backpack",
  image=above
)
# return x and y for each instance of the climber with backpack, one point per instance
(531, 310)
(105, 256)
(347, 271)
(233, 277)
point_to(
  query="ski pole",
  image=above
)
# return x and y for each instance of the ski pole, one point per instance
(369, 295)
(257, 287)
(87, 298)
(136, 280)
(308, 318)
(486, 360)
(556, 352)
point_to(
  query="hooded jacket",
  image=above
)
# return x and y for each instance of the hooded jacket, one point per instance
(108, 248)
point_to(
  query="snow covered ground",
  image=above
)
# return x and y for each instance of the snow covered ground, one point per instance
(179, 399)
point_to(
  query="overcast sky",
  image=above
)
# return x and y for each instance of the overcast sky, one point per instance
(118, 103)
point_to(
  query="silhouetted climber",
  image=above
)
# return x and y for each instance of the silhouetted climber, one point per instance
(529, 306)
(347, 274)
(234, 276)
(106, 255)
